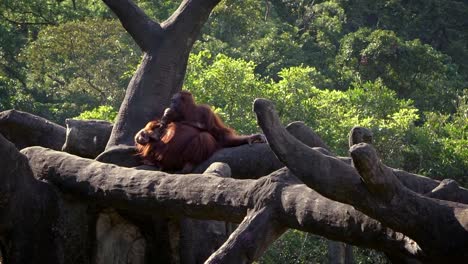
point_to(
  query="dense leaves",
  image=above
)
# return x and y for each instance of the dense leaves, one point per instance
(84, 60)
(412, 69)
(230, 84)
(103, 112)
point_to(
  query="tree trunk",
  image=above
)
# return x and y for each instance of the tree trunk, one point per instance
(166, 47)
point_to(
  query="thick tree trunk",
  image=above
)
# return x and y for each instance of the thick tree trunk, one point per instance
(166, 48)
(36, 222)
(447, 190)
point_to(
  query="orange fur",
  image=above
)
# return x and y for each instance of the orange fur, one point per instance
(184, 109)
(180, 145)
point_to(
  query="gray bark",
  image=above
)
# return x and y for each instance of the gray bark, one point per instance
(166, 47)
(207, 197)
(86, 138)
(36, 223)
(407, 251)
(375, 190)
(24, 130)
(339, 253)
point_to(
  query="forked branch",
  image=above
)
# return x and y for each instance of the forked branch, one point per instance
(143, 30)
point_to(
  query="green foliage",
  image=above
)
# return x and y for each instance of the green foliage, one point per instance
(369, 256)
(230, 86)
(227, 84)
(296, 247)
(294, 93)
(249, 31)
(80, 65)
(412, 69)
(158, 10)
(20, 24)
(277, 49)
(103, 112)
(299, 247)
(5, 100)
(86, 56)
(46, 12)
(329, 18)
(333, 113)
(237, 24)
(439, 23)
(438, 148)
(322, 27)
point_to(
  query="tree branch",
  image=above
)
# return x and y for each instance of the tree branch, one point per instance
(27, 23)
(445, 190)
(86, 138)
(163, 66)
(24, 130)
(190, 16)
(254, 161)
(252, 237)
(143, 30)
(306, 135)
(446, 220)
(378, 193)
(181, 30)
(246, 162)
(304, 161)
(212, 197)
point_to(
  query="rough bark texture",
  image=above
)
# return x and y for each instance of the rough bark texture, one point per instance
(118, 241)
(26, 130)
(339, 253)
(208, 197)
(123, 155)
(299, 204)
(439, 226)
(257, 160)
(246, 161)
(36, 222)
(86, 138)
(397, 246)
(251, 238)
